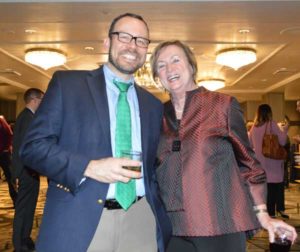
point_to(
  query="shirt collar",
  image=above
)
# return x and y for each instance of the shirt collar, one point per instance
(110, 76)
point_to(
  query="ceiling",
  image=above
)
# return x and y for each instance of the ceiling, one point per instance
(207, 26)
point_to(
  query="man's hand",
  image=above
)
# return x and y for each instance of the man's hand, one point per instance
(109, 170)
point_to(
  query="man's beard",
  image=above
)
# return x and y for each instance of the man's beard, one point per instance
(123, 69)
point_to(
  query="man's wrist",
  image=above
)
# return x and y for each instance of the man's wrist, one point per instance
(88, 168)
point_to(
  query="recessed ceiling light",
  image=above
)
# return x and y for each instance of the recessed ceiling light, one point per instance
(291, 30)
(284, 70)
(30, 31)
(243, 31)
(10, 71)
(89, 48)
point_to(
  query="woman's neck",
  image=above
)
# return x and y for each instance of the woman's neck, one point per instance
(178, 101)
(178, 98)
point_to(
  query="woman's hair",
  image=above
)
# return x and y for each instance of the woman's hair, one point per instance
(187, 51)
(263, 114)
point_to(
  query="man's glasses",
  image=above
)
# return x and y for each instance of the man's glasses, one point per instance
(125, 37)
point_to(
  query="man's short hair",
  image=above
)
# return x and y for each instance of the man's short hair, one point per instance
(132, 15)
(32, 93)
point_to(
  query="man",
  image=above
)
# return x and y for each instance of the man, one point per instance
(5, 154)
(26, 180)
(74, 141)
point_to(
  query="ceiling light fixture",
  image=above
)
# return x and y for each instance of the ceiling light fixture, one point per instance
(212, 84)
(143, 77)
(236, 57)
(45, 58)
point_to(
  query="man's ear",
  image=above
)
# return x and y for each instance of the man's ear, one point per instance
(106, 43)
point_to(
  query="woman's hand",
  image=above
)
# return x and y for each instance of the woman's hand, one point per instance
(276, 227)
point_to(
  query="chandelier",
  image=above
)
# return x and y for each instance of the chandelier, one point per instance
(143, 77)
(236, 57)
(45, 58)
(212, 84)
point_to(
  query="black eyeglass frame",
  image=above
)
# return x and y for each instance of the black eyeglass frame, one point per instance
(147, 41)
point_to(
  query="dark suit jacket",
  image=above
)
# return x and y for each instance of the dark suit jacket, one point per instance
(211, 184)
(72, 127)
(21, 126)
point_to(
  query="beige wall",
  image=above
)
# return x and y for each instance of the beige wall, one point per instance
(250, 108)
(8, 110)
(277, 103)
(20, 104)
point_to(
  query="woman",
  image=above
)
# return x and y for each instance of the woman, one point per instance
(274, 168)
(211, 184)
(296, 138)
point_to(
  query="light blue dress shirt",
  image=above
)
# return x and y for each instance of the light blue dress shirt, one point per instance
(112, 96)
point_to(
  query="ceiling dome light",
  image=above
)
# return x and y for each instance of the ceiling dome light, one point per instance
(212, 84)
(45, 58)
(236, 57)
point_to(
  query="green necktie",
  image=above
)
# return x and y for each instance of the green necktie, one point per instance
(125, 192)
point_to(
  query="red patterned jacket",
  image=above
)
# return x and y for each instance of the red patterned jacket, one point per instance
(210, 183)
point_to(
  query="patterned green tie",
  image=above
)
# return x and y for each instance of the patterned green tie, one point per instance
(125, 192)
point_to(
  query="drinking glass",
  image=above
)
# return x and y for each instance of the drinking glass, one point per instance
(133, 155)
(281, 244)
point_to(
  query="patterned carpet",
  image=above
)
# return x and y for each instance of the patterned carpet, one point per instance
(258, 244)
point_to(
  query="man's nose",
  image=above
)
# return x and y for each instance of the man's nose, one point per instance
(132, 43)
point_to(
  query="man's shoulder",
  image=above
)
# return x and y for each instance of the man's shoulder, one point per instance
(76, 73)
(24, 115)
(23, 119)
(75, 79)
(147, 94)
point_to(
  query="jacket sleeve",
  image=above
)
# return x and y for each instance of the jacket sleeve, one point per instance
(250, 168)
(22, 124)
(41, 149)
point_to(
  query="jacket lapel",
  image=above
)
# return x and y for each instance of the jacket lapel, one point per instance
(169, 114)
(144, 120)
(97, 86)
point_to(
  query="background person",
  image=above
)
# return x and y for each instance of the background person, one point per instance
(296, 138)
(6, 136)
(26, 180)
(210, 182)
(76, 147)
(274, 168)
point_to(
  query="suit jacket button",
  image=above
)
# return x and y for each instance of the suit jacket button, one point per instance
(100, 201)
